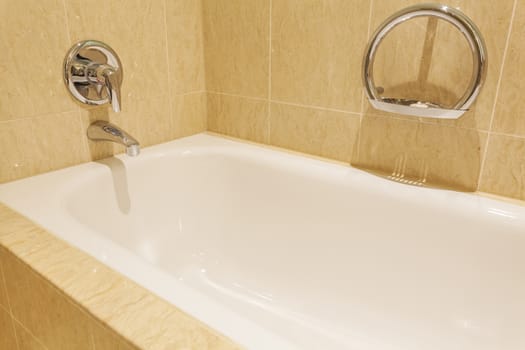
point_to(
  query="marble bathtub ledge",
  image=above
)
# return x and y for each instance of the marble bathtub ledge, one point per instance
(135, 314)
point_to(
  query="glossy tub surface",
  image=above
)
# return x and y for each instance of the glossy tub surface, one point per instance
(279, 251)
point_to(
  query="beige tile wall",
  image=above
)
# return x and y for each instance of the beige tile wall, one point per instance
(160, 43)
(302, 58)
(36, 315)
(283, 72)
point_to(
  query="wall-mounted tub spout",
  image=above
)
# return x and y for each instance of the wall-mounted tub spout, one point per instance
(104, 131)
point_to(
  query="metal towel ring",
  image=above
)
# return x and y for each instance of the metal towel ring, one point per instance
(421, 108)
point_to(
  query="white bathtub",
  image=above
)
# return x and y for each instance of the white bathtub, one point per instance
(278, 251)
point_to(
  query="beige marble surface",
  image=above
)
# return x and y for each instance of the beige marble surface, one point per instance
(160, 44)
(236, 46)
(315, 131)
(241, 117)
(7, 330)
(64, 299)
(316, 52)
(510, 109)
(225, 66)
(316, 47)
(185, 46)
(504, 171)
(437, 155)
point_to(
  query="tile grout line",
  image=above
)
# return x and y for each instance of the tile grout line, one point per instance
(269, 121)
(47, 114)
(237, 95)
(194, 92)
(521, 137)
(2, 276)
(286, 103)
(363, 99)
(80, 109)
(76, 304)
(204, 62)
(496, 97)
(85, 143)
(170, 96)
(66, 20)
(422, 120)
(29, 332)
(317, 107)
(370, 11)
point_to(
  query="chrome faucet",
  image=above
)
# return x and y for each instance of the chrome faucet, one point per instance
(93, 74)
(104, 131)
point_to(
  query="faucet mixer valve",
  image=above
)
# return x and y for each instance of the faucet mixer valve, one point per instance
(93, 74)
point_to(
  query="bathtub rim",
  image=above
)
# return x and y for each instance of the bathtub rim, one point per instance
(117, 271)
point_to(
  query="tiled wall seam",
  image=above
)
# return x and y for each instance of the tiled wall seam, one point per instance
(8, 310)
(284, 103)
(18, 336)
(170, 106)
(484, 126)
(363, 97)
(170, 88)
(269, 121)
(13, 318)
(500, 78)
(93, 321)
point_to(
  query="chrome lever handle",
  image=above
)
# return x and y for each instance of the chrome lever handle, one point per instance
(112, 84)
(93, 74)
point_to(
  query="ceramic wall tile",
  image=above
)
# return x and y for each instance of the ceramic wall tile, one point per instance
(136, 30)
(107, 339)
(7, 331)
(238, 117)
(33, 42)
(317, 48)
(40, 125)
(4, 302)
(124, 305)
(57, 142)
(16, 144)
(427, 153)
(40, 144)
(432, 61)
(236, 35)
(43, 310)
(504, 170)
(510, 108)
(26, 341)
(319, 132)
(185, 45)
(189, 115)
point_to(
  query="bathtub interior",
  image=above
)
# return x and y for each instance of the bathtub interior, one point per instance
(318, 253)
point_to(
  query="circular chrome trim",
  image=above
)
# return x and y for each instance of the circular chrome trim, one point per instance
(459, 20)
(79, 63)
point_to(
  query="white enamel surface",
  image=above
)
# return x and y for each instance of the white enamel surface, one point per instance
(279, 251)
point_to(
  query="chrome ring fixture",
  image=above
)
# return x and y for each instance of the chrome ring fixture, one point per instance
(418, 108)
